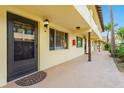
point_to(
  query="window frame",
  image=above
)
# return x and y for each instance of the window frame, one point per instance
(65, 38)
(77, 45)
(52, 47)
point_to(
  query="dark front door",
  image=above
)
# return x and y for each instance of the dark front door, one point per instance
(22, 46)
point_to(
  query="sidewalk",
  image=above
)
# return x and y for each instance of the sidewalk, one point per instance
(79, 73)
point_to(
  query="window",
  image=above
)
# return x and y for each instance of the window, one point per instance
(58, 39)
(52, 43)
(79, 41)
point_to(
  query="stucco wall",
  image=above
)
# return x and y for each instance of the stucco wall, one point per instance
(49, 58)
(3, 48)
(46, 57)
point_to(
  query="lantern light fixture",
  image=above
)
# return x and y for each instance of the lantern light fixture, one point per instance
(46, 23)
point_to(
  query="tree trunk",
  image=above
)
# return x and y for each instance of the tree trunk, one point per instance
(122, 41)
(107, 37)
(112, 32)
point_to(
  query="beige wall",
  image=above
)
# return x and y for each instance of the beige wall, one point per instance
(50, 58)
(3, 48)
(46, 57)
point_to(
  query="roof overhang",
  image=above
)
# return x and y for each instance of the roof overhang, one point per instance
(99, 12)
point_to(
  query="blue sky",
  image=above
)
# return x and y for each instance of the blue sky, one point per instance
(118, 13)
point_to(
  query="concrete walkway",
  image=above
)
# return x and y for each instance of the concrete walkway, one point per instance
(79, 73)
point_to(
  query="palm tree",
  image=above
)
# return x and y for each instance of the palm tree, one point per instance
(120, 33)
(112, 32)
(108, 29)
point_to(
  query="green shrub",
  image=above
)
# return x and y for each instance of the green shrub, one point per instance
(120, 52)
(107, 46)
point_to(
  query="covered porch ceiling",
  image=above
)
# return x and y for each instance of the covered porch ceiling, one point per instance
(63, 15)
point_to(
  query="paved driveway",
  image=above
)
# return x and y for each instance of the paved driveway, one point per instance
(79, 73)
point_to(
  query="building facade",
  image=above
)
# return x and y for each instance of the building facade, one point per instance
(34, 38)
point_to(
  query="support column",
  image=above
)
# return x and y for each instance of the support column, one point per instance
(89, 46)
(95, 46)
(85, 45)
(99, 45)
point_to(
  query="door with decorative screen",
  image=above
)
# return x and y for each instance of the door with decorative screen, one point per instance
(22, 46)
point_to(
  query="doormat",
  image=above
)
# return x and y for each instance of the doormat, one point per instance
(32, 79)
